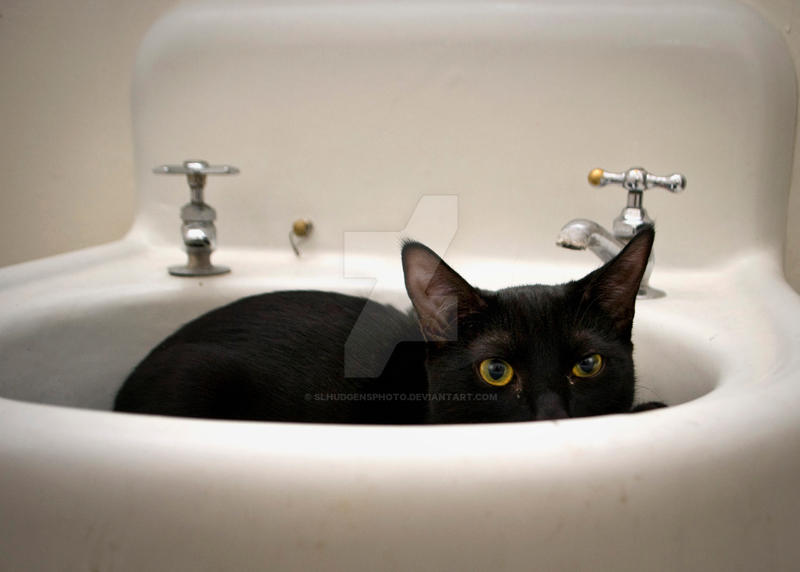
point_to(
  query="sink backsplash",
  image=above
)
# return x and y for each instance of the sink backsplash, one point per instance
(348, 113)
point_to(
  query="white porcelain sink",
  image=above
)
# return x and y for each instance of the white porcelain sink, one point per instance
(131, 491)
(348, 114)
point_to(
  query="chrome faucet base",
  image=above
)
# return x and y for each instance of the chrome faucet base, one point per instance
(198, 264)
(187, 270)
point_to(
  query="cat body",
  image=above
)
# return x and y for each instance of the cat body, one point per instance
(280, 356)
(464, 355)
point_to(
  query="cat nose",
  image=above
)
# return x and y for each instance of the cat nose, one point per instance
(550, 406)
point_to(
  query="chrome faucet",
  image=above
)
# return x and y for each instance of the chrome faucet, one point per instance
(580, 234)
(198, 231)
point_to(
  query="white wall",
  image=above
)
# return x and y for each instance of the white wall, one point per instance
(65, 144)
(66, 156)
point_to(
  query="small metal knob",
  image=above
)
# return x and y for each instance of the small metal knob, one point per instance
(635, 180)
(301, 228)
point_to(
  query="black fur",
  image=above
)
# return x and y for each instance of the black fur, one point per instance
(327, 357)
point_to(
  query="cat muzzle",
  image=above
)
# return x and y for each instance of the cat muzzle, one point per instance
(550, 406)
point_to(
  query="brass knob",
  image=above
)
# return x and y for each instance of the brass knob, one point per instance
(301, 228)
(595, 177)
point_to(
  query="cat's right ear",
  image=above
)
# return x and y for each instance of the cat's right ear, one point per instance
(613, 287)
(439, 295)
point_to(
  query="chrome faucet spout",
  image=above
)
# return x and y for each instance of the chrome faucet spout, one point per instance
(199, 234)
(582, 234)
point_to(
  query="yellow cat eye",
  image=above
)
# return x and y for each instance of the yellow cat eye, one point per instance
(589, 366)
(495, 371)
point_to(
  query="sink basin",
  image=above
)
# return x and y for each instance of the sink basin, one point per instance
(353, 115)
(49, 350)
(718, 349)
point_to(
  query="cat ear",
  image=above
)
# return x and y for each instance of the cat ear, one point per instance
(439, 295)
(613, 286)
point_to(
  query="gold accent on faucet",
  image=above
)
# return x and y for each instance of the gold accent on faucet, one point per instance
(596, 177)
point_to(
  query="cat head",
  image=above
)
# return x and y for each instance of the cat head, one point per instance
(527, 352)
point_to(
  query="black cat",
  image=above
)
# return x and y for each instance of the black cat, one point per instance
(465, 355)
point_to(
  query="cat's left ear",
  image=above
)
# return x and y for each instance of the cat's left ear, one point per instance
(439, 295)
(614, 286)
